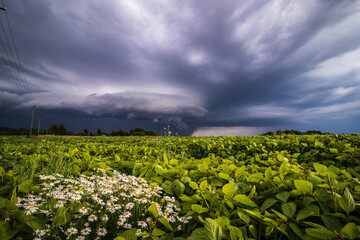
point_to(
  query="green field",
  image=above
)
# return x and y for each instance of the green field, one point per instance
(261, 187)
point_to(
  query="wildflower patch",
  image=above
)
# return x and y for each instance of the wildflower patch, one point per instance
(100, 206)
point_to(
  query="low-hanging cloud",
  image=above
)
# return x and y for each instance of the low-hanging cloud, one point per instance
(166, 107)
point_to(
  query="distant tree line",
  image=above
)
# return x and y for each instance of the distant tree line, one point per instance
(14, 131)
(120, 132)
(60, 129)
(294, 132)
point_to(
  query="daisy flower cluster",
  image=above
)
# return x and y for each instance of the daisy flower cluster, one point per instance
(100, 206)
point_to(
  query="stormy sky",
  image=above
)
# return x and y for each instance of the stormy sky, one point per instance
(202, 67)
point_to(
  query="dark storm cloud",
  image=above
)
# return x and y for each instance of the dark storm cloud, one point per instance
(201, 63)
(139, 105)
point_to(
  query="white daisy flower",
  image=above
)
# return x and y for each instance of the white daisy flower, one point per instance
(86, 231)
(83, 211)
(71, 231)
(143, 224)
(101, 232)
(92, 218)
(138, 232)
(105, 218)
(127, 225)
(40, 232)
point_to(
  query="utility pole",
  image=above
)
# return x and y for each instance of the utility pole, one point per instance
(39, 127)
(32, 120)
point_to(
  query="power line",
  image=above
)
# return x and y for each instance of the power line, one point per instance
(7, 62)
(16, 71)
(12, 63)
(16, 51)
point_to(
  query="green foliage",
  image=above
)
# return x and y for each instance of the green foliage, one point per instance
(261, 187)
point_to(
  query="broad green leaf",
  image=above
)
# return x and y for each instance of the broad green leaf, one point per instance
(165, 223)
(8, 205)
(272, 221)
(347, 202)
(280, 157)
(185, 179)
(269, 230)
(228, 189)
(321, 233)
(128, 235)
(243, 199)
(353, 172)
(166, 160)
(315, 180)
(212, 229)
(303, 186)
(223, 176)
(319, 168)
(296, 230)
(253, 213)
(203, 185)
(153, 210)
(255, 177)
(138, 167)
(310, 210)
(244, 217)
(282, 229)
(157, 232)
(314, 225)
(240, 172)
(308, 200)
(13, 196)
(283, 196)
(198, 208)
(196, 198)
(186, 198)
(24, 187)
(253, 192)
(253, 231)
(332, 223)
(283, 170)
(179, 187)
(334, 150)
(159, 170)
(288, 209)
(197, 234)
(341, 185)
(334, 169)
(193, 185)
(235, 233)
(283, 217)
(61, 217)
(120, 238)
(168, 187)
(350, 231)
(322, 195)
(268, 173)
(6, 233)
(34, 222)
(230, 204)
(268, 203)
(223, 221)
(174, 162)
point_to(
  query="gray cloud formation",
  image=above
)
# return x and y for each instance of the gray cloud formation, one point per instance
(202, 63)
